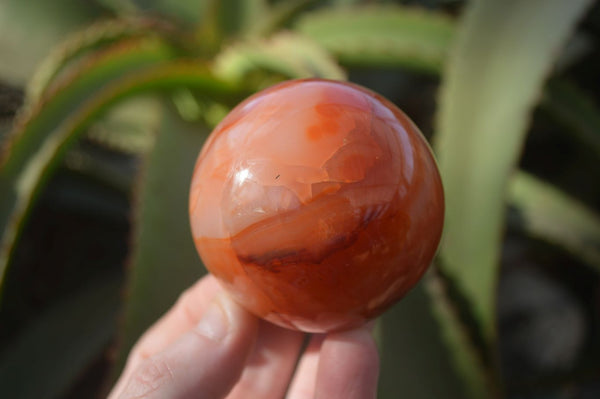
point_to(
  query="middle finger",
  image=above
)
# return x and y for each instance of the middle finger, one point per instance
(271, 365)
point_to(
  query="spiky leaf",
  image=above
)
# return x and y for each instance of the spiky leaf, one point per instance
(382, 36)
(164, 261)
(42, 137)
(415, 358)
(287, 54)
(552, 215)
(51, 353)
(576, 110)
(29, 28)
(92, 38)
(504, 50)
(467, 358)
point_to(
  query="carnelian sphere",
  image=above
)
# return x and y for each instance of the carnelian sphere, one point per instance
(317, 204)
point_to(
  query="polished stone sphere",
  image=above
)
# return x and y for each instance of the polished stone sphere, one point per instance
(317, 204)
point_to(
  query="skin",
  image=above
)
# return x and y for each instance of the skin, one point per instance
(208, 346)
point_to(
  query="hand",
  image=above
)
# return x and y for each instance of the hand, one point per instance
(209, 347)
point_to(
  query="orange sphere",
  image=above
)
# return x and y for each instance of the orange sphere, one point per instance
(317, 204)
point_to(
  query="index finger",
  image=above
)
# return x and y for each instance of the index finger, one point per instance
(182, 317)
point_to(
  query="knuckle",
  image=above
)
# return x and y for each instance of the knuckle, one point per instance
(187, 312)
(151, 375)
(140, 351)
(186, 296)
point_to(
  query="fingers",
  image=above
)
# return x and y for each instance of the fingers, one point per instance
(339, 365)
(303, 384)
(205, 347)
(182, 317)
(271, 365)
(204, 362)
(348, 366)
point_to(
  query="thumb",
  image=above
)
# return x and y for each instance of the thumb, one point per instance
(205, 362)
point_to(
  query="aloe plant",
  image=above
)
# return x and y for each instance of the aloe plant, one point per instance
(152, 85)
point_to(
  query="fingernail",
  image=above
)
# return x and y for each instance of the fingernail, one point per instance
(214, 323)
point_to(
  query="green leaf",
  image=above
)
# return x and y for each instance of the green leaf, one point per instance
(576, 110)
(277, 17)
(235, 17)
(553, 216)
(288, 54)
(344, 3)
(41, 138)
(382, 36)
(125, 128)
(92, 38)
(54, 349)
(164, 260)
(42, 134)
(466, 358)
(228, 19)
(120, 7)
(186, 12)
(503, 52)
(29, 28)
(415, 359)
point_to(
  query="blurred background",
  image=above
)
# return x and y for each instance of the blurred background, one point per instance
(105, 104)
